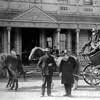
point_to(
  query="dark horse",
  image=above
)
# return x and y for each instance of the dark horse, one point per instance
(37, 52)
(13, 65)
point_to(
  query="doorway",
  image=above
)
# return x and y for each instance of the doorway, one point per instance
(73, 42)
(30, 39)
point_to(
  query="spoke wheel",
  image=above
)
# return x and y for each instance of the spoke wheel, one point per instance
(91, 75)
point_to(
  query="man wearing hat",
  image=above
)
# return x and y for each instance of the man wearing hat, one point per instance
(92, 43)
(13, 53)
(48, 66)
(66, 70)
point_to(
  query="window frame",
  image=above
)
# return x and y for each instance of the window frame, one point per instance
(88, 2)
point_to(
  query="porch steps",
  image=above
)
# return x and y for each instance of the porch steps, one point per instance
(33, 71)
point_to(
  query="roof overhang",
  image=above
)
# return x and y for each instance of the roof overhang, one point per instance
(37, 18)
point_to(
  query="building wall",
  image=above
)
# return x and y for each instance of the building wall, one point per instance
(77, 7)
(58, 6)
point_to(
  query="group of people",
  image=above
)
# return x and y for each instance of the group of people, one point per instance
(48, 65)
(67, 65)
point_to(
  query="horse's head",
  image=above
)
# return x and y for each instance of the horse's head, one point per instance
(2, 60)
(36, 53)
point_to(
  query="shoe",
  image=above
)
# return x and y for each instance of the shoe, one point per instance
(42, 95)
(69, 95)
(49, 94)
(65, 95)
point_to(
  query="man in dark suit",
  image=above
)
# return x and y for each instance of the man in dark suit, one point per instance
(66, 70)
(47, 65)
(55, 51)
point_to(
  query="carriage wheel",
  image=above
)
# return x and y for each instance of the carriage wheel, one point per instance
(91, 75)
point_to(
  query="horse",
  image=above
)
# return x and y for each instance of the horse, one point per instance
(14, 67)
(37, 52)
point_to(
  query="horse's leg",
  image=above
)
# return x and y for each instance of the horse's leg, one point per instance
(8, 83)
(16, 81)
(13, 84)
(13, 78)
(9, 80)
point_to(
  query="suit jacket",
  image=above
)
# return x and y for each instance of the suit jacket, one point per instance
(47, 65)
(67, 67)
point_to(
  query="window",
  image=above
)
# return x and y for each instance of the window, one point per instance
(63, 1)
(36, 1)
(49, 42)
(62, 41)
(88, 2)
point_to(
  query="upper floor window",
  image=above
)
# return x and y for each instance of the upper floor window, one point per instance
(36, 1)
(88, 2)
(63, 1)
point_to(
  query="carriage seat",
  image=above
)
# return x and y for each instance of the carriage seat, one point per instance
(95, 58)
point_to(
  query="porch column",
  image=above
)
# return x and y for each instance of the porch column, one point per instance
(18, 41)
(69, 44)
(77, 39)
(8, 32)
(42, 39)
(58, 38)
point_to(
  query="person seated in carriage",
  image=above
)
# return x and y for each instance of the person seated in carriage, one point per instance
(93, 43)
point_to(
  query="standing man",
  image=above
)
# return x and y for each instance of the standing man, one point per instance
(66, 70)
(47, 65)
(55, 51)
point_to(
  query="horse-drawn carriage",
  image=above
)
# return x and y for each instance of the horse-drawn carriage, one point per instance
(91, 70)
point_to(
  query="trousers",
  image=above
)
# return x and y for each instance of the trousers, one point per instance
(47, 80)
(68, 88)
